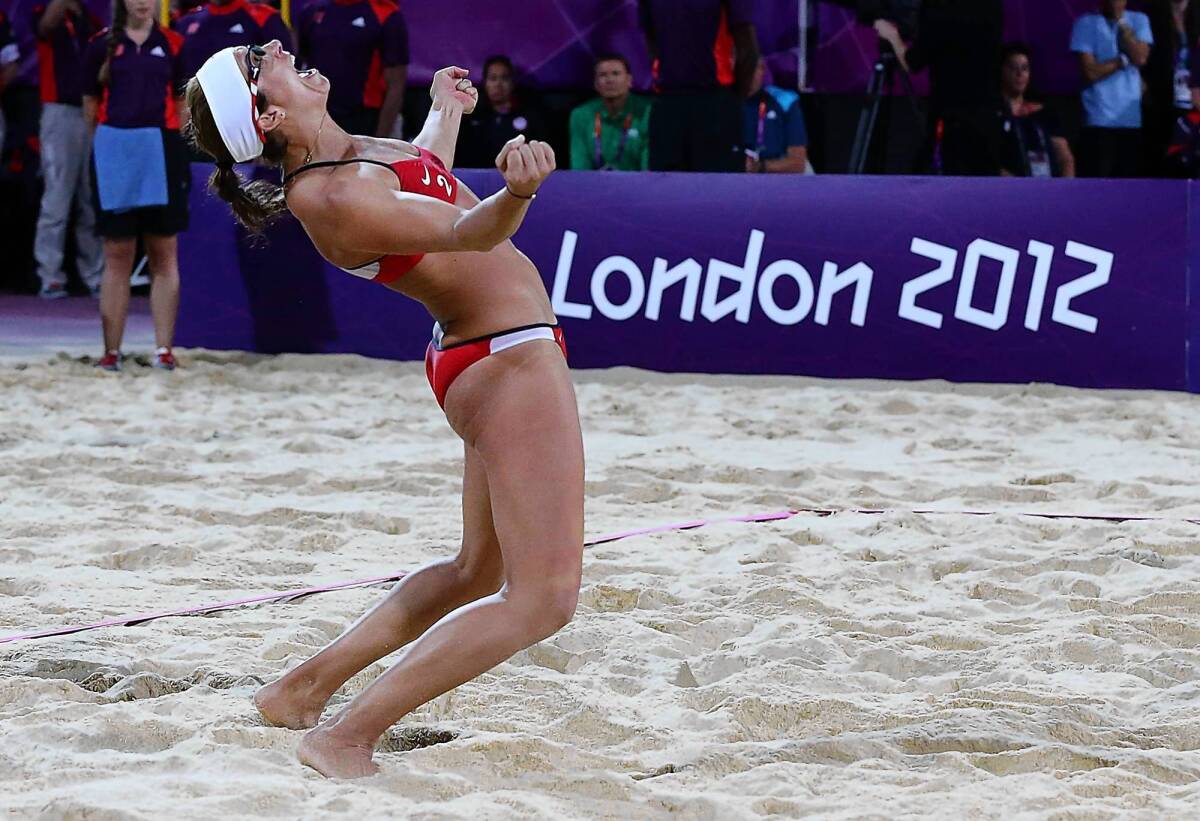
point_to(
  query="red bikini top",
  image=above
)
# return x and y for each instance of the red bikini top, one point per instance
(424, 174)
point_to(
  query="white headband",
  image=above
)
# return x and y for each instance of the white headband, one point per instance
(233, 105)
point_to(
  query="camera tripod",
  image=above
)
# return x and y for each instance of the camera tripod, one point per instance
(883, 77)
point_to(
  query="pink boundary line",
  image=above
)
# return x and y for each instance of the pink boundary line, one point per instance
(292, 595)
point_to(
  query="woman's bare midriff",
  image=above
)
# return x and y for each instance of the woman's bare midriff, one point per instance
(476, 294)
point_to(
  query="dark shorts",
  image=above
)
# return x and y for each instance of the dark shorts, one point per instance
(161, 220)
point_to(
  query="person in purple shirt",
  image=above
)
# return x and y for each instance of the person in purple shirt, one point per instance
(704, 53)
(140, 167)
(223, 24)
(63, 29)
(362, 47)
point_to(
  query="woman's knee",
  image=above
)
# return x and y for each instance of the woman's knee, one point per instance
(162, 256)
(481, 570)
(547, 606)
(118, 255)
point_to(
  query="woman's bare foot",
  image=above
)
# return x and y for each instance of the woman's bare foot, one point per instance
(285, 705)
(334, 758)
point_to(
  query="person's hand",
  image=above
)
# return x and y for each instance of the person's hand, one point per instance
(452, 83)
(525, 165)
(887, 30)
(1126, 36)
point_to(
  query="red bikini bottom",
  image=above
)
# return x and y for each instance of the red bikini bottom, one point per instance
(444, 364)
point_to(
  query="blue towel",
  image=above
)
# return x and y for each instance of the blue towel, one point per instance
(131, 168)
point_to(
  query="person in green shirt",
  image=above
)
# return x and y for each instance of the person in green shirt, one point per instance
(611, 132)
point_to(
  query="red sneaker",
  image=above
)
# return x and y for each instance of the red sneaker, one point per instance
(164, 359)
(111, 361)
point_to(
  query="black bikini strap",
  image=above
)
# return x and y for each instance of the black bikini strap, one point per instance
(505, 332)
(328, 163)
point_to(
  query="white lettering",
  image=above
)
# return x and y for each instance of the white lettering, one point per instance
(948, 259)
(662, 278)
(738, 303)
(1098, 278)
(860, 276)
(766, 295)
(562, 278)
(637, 287)
(1044, 255)
(1008, 258)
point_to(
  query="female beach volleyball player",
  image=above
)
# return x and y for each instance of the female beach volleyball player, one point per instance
(392, 212)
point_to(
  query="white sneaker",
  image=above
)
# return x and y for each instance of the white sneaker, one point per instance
(55, 290)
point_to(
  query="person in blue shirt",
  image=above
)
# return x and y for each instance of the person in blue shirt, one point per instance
(1112, 45)
(773, 128)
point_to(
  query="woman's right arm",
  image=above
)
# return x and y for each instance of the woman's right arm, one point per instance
(450, 103)
(377, 219)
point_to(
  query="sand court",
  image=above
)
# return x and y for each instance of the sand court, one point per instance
(896, 665)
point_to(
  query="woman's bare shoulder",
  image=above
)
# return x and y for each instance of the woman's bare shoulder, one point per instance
(320, 189)
(385, 149)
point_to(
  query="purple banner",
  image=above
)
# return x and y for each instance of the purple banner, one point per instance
(846, 50)
(1077, 282)
(570, 32)
(551, 42)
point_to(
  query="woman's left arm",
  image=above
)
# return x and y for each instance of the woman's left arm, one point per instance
(453, 96)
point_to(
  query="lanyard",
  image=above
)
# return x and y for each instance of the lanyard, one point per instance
(761, 142)
(1042, 149)
(598, 146)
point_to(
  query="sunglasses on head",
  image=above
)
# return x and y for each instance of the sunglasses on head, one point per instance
(254, 58)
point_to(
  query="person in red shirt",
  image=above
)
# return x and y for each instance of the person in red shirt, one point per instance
(393, 212)
(140, 168)
(63, 29)
(224, 23)
(362, 47)
(704, 53)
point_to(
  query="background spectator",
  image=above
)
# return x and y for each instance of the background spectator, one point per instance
(959, 41)
(775, 137)
(1112, 45)
(362, 47)
(1183, 152)
(701, 50)
(63, 29)
(223, 24)
(141, 167)
(1034, 145)
(500, 116)
(611, 132)
(1168, 74)
(9, 54)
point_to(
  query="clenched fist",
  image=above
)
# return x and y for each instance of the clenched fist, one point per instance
(525, 165)
(451, 83)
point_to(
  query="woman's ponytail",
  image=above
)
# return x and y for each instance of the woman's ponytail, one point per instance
(255, 204)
